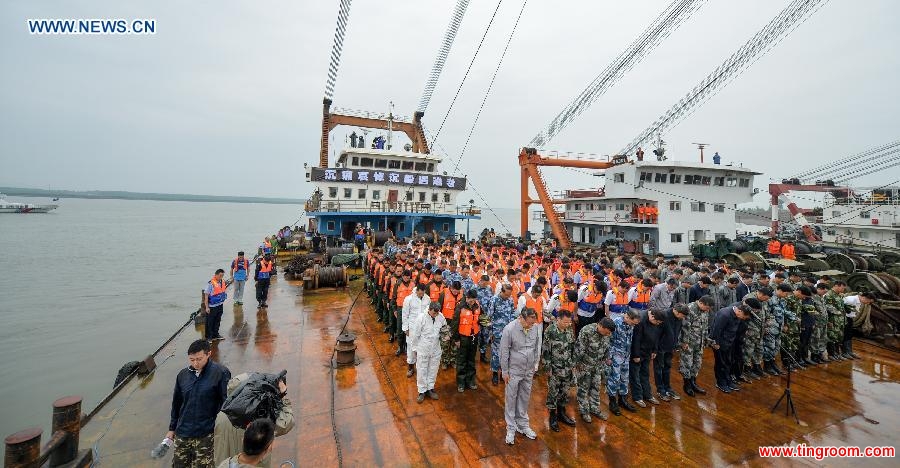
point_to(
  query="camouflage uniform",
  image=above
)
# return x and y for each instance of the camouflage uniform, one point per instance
(558, 356)
(485, 295)
(772, 330)
(193, 452)
(591, 353)
(753, 340)
(694, 333)
(620, 354)
(500, 312)
(834, 304)
(791, 328)
(819, 338)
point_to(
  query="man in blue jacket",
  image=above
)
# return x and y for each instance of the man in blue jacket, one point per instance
(200, 391)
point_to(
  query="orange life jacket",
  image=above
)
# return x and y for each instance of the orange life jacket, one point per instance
(434, 291)
(403, 291)
(449, 305)
(468, 321)
(536, 304)
(774, 247)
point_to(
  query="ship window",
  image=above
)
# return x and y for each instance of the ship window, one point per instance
(731, 182)
(864, 214)
(348, 193)
(620, 206)
(354, 161)
(393, 164)
(646, 176)
(407, 165)
(382, 163)
(646, 236)
(591, 207)
(401, 227)
(578, 206)
(601, 207)
(366, 162)
(446, 198)
(719, 181)
(362, 193)
(409, 196)
(660, 178)
(619, 177)
(332, 192)
(421, 196)
(745, 182)
(445, 227)
(420, 166)
(698, 206)
(674, 206)
(719, 208)
(434, 197)
(863, 235)
(674, 178)
(676, 237)
(430, 167)
(329, 226)
(376, 194)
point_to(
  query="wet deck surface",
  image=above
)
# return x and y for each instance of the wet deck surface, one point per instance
(380, 424)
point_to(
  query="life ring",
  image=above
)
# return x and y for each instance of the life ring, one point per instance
(616, 217)
(581, 215)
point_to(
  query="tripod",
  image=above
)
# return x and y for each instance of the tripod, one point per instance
(786, 396)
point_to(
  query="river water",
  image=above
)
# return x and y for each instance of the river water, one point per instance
(98, 283)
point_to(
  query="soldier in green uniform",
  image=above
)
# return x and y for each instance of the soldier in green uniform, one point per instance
(790, 331)
(834, 304)
(557, 354)
(694, 338)
(773, 327)
(591, 361)
(753, 338)
(819, 337)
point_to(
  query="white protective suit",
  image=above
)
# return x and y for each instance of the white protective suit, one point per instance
(413, 308)
(425, 336)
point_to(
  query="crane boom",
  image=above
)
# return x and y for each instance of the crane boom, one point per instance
(529, 162)
(436, 69)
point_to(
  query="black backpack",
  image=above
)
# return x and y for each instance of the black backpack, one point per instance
(255, 398)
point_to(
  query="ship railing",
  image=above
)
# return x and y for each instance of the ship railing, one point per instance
(334, 206)
(370, 115)
(867, 201)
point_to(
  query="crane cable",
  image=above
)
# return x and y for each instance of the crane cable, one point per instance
(849, 160)
(436, 69)
(791, 17)
(466, 75)
(665, 23)
(339, 31)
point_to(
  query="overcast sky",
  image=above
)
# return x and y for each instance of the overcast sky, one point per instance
(225, 99)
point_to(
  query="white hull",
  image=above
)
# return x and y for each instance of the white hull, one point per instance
(28, 209)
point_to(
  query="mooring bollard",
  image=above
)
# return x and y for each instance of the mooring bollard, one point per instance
(66, 419)
(346, 349)
(23, 448)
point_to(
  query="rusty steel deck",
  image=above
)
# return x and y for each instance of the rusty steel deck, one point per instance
(379, 422)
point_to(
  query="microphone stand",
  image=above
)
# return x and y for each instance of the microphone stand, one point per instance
(789, 408)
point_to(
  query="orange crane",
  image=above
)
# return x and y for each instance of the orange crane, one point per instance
(788, 185)
(529, 162)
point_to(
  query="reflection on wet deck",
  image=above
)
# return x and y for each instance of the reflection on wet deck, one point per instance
(379, 422)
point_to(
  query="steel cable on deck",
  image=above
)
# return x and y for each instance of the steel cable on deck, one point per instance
(665, 23)
(791, 17)
(466, 75)
(436, 69)
(332, 366)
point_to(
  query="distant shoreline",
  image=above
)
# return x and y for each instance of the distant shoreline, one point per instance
(121, 195)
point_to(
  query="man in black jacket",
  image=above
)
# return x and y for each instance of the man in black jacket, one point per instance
(662, 365)
(200, 390)
(644, 346)
(724, 332)
(700, 289)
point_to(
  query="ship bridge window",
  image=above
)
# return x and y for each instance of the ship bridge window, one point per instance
(329, 226)
(646, 176)
(731, 182)
(445, 227)
(719, 181)
(381, 163)
(446, 198)
(691, 179)
(409, 196)
(393, 164)
(578, 206)
(601, 207)
(619, 177)
(366, 162)
(362, 194)
(698, 207)
(676, 237)
(864, 214)
(332, 192)
(674, 206)
(430, 167)
(705, 180)
(376, 194)
(407, 165)
(348, 193)
(745, 182)
(420, 166)
(354, 161)
(620, 206)
(421, 196)
(660, 178)
(434, 197)
(719, 208)
(674, 178)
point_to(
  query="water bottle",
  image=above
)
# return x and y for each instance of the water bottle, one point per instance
(160, 450)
